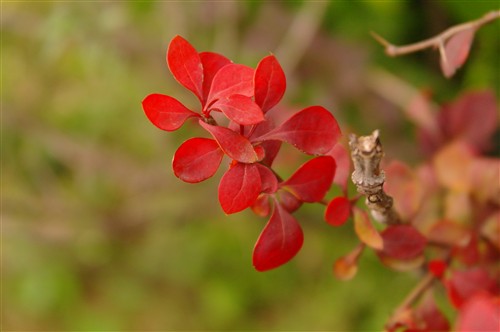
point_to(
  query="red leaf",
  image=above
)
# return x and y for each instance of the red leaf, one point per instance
(230, 80)
(338, 211)
(279, 242)
(473, 117)
(212, 63)
(233, 144)
(262, 206)
(452, 165)
(289, 201)
(268, 179)
(312, 180)
(165, 112)
(271, 147)
(365, 230)
(456, 51)
(197, 159)
(240, 109)
(270, 83)
(313, 130)
(402, 242)
(463, 285)
(481, 313)
(185, 64)
(239, 187)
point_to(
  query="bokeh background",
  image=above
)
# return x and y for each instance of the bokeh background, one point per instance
(99, 235)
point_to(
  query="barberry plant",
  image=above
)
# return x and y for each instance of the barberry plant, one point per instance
(248, 135)
(441, 218)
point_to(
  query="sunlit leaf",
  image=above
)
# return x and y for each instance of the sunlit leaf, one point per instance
(240, 109)
(239, 187)
(365, 230)
(491, 229)
(279, 242)
(197, 159)
(184, 63)
(312, 180)
(230, 80)
(313, 130)
(233, 144)
(338, 211)
(484, 173)
(456, 51)
(270, 83)
(165, 112)
(402, 242)
(212, 63)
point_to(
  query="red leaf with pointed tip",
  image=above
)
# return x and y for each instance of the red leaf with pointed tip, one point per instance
(270, 83)
(239, 187)
(365, 230)
(456, 50)
(279, 242)
(313, 130)
(402, 242)
(212, 63)
(240, 109)
(184, 63)
(230, 80)
(312, 180)
(165, 112)
(233, 144)
(268, 179)
(338, 211)
(197, 159)
(462, 285)
(481, 313)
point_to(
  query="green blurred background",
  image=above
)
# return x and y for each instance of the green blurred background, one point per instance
(99, 235)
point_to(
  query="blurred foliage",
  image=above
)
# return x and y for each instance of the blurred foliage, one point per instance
(97, 233)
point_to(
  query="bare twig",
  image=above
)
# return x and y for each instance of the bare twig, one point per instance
(436, 41)
(366, 153)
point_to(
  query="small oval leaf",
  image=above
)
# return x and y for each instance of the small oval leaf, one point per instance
(312, 180)
(365, 230)
(338, 211)
(212, 63)
(239, 187)
(313, 130)
(233, 144)
(166, 112)
(230, 80)
(403, 242)
(185, 64)
(197, 159)
(270, 83)
(240, 109)
(279, 242)
(456, 51)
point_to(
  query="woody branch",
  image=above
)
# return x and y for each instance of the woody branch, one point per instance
(366, 154)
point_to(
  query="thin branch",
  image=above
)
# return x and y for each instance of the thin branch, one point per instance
(366, 153)
(436, 41)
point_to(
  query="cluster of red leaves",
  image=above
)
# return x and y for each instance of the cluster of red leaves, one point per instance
(245, 97)
(454, 201)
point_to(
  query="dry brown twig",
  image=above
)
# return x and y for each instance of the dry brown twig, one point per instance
(366, 153)
(438, 40)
